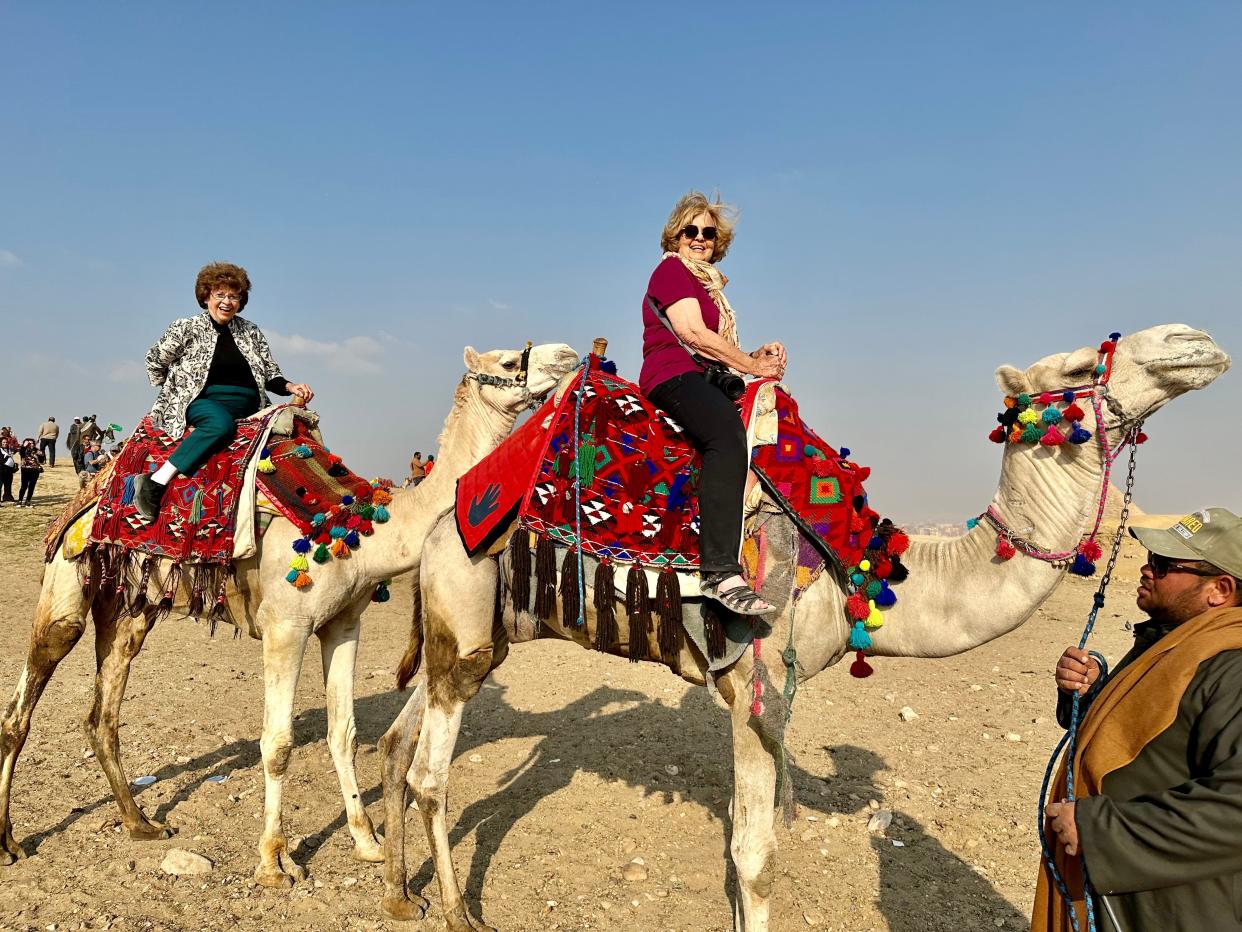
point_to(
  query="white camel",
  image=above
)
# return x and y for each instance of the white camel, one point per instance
(959, 595)
(485, 406)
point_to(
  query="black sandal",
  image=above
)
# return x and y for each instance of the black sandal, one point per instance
(740, 599)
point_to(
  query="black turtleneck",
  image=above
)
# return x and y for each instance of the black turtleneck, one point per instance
(229, 366)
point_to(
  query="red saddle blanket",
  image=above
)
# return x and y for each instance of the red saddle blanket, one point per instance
(637, 501)
(198, 516)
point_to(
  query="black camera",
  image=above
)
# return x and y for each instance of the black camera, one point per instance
(733, 386)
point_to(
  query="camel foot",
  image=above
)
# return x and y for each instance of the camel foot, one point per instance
(10, 851)
(370, 850)
(460, 920)
(404, 909)
(146, 830)
(280, 875)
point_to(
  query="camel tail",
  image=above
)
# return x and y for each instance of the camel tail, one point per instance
(413, 658)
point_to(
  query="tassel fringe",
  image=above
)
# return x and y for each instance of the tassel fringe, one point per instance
(605, 607)
(638, 611)
(519, 563)
(545, 578)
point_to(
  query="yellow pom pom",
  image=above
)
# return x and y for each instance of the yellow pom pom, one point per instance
(266, 465)
(1028, 417)
(876, 618)
(299, 563)
(865, 565)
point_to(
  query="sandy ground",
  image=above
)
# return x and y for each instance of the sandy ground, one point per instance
(564, 773)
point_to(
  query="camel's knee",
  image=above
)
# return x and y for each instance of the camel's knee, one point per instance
(53, 638)
(277, 750)
(464, 677)
(756, 869)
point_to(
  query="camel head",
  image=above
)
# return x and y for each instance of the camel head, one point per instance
(1150, 368)
(498, 374)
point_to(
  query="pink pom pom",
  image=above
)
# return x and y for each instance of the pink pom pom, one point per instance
(1005, 549)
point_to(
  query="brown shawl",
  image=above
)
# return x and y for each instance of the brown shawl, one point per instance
(1134, 707)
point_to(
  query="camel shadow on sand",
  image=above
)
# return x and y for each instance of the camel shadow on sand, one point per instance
(624, 736)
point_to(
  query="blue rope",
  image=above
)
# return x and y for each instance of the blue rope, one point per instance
(585, 368)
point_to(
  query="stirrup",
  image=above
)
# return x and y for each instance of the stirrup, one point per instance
(740, 599)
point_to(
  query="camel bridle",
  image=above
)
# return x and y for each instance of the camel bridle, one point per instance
(529, 398)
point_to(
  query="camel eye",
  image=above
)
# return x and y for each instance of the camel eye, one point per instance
(509, 365)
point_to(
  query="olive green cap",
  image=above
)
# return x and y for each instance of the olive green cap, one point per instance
(1213, 535)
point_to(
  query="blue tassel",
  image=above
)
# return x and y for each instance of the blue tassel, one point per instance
(351, 539)
(876, 543)
(887, 597)
(972, 523)
(1068, 397)
(1082, 566)
(381, 514)
(291, 576)
(127, 496)
(319, 519)
(1079, 435)
(845, 452)
(859, 638)
(337, 533)
(265, 453)
(347, 499)
(301, 545)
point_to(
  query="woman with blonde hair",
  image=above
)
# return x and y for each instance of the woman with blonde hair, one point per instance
(212, 369)
(692, 363)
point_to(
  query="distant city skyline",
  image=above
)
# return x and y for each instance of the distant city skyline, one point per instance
(926, 192)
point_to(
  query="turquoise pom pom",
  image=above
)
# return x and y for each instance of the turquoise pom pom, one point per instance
(972, 523)
(859, 638)
(318, 519)
(1051, 415)
(381, 514)
(291, 576)
(338, 532)
(303, 451)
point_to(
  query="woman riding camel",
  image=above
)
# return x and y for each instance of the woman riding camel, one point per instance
(690, 353)
(212, 369)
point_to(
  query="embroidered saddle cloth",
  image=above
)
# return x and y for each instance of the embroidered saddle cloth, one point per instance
(637, 501)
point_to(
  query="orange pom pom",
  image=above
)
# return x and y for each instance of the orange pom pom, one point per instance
(303, 580)
(381, 497)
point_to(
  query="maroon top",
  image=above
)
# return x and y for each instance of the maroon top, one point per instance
(663, 356)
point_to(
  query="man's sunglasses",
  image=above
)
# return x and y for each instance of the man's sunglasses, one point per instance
(1162, 566)
(690, 231)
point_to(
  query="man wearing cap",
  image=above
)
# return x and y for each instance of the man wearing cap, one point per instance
(1158, 769)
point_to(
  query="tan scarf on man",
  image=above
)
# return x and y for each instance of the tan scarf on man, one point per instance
(713, 280)
(1134, 707)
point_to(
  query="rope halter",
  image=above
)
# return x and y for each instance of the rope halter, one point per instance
(530, 399)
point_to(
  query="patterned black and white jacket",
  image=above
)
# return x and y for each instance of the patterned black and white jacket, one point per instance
(179, 362)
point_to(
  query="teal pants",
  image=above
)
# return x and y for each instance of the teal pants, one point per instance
(213, 415)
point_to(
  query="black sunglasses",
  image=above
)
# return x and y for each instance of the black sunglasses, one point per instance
(690, 231)
(1162, 566)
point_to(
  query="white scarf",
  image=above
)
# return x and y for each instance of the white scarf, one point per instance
(713, 281)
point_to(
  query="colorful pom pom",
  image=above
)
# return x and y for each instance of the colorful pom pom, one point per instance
(1067, 397)
(337, 533)
(303, 451)
(301, 545)
(997, 435)
(1052, 437)
(1010, 401)
(1073, 413)
(1091, 550)
(1028, 417)
(339, 549)
(857, 606)
(882, 569)
(291, 576)
(353, 522)
(875, 618)
(1050, 416)
(1079, 435)
(1115, 336)
(1005, 549)
(972, 523)
(898, 542)
(347, 500)
(860, 640)
(1032, 434)
(382, 497)
(886, 597)
(1045, 398)
(1015, 435)
(351, 539)
(321, 554)
(860, 669)
(318, 519)
(1140, 437)
(381, 514)
(1024, 400)
(381, 593)
(266, 465)
(1108, 346)
(299, 562)
(303, 580)
(1082, 566)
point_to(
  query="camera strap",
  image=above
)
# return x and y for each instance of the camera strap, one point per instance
(663, 318)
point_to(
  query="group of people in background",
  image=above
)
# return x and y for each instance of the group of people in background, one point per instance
(22, 461)
(420, 469)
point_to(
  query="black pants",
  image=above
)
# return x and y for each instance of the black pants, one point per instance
(715, 429)
(48, 448)
(75, 454)
(6, 483)
(29, 478)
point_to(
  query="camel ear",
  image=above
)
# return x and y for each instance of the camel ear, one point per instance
(1012, 381)
(472, 359)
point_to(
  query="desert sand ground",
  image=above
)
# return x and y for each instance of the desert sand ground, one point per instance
(570, 764)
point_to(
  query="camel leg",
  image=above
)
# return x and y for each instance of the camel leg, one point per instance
(117, 643)
(59, 622)
(429, 777)
(753, 843)
(338, 641)
(397, 748)
(284, 645)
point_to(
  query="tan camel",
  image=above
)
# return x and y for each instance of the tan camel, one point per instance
(485, 406)
(959, 595)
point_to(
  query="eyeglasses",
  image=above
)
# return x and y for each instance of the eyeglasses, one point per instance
(226, 296)
(1162, 566)
(690, 231)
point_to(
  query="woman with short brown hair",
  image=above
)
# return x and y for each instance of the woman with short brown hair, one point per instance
(212, 369)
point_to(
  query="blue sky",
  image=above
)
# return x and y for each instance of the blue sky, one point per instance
(927, 191)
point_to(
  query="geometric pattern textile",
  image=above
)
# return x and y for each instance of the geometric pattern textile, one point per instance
(197, 515)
